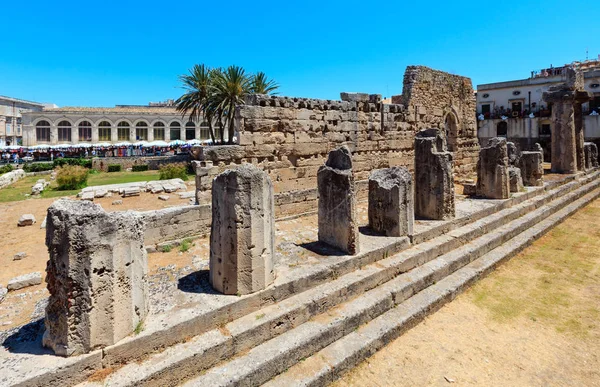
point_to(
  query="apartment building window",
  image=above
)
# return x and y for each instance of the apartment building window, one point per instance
(104, 131)
(159, 131)
(175, 131)
(85, 131)
(123, 131)
(64, 131)
(42, 131)
(141, 131)
(486, 109)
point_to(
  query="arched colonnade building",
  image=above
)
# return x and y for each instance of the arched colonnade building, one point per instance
(72, 125)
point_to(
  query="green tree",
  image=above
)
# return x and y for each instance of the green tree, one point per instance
(262, 85)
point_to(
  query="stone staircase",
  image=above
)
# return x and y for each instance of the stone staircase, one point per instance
(329, 321)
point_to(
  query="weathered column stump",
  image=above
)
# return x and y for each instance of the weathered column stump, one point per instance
(338, 224)
(515, 180)
(391, 202)
(531, 164)
(434, 185)
(591, 155)
(242, 232)
(96, 275)
(492, 170)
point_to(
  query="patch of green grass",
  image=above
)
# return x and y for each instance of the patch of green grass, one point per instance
(259, 316)
(165, 248)
(139, 328)
(185, 245)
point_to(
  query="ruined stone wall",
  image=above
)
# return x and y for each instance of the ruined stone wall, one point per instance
(153, 162)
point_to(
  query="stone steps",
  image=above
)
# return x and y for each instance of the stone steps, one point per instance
(422, 264)
(416, 292)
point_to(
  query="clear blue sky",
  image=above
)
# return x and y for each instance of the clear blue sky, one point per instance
(102, 53)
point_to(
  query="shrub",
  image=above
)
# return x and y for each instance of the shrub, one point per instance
(185, 245)
(5, 169)
(86, 163)
(38, 167)
(71, 177)
(165, 248)
(173, 171)
(114, 168)
(139, 168)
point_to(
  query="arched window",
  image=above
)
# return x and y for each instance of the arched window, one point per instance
(175, 131)
(190, 131)
(42, 131)
(141, 131)
(159, 131)
(64, 131)
(123, 131)
(204, 131)
(501, 129)
(104, 131)
(85, 131)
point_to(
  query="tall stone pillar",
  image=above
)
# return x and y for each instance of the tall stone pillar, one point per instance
(338, 224)
(114, 134)
(434, 184)
(95, 134)
(74, 134)
(532, 167)
(492, 170)
(96, 277)
(567, 130)
(391, 202)
(242, 232)
(53, 134)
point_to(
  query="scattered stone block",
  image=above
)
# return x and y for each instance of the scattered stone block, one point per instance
(187, 195)
(130, 191)
(19, 256)
(117, 202)
(24, 281)
(3, 292)
(513, 154)
(531, 164)
(100, 193)
(156, 189)
(242, 232)
(168, 188)
(338, 224)
(516, 182)
(37, 189)
(88, 195)
(391, 202)
(434, 184)
(164, 197)
(591, 155)
(99, 290)
(43, 223)
(26, 220)
(492, 170)
(41, 181)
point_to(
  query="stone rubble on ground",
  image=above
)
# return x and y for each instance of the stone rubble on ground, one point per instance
(88, 196)
(164, 197)
(117, 202)
(26, 220)
(24, 281)
(43, 225)
(3, 292)
(19, 256)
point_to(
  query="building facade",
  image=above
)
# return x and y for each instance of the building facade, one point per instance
(516, 110)
(11, 126)
(123, 123)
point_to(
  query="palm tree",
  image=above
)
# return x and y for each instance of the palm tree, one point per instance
(262, 85)
(198, 84)
(230, 88)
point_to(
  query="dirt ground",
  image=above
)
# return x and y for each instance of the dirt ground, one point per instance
(535, 321)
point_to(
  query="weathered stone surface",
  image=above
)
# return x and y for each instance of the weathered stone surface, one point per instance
(24, 281)
(26, 220)
(37, 189)
(591, 155)
(100, 193)
(513, 154)
(130, 191)
(469, 189)
(3, 292)
(168, 188)
(19, 256)
(43, 225)
(516, 182)
(10, 177)
(492, 170)
(391, 202)
(164, 197)
(338, 224)
(354, 97)
(117, 202)
(531, 164)
(242, 231)
(96, 276)
(434, 185)
(89, 196)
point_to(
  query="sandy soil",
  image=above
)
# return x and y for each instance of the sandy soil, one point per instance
(533, 322)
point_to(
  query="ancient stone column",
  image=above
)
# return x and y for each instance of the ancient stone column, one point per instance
(492, 170)
(96, 276)
(513, 154)
(338, 224)
(531, 164)
(567, 130)
(515, 180)
(391, 202)
(434, 185)
(591, 155)
(242, 232)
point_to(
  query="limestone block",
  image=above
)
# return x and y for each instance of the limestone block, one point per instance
(338, 224)
(24, 281)
(434, 184)
(130, 191)
(19, 256)
(242, 231)
(44, 222)
(26, 220)
(469, 189)
(88, 195)
(37, 189)
(117, 202)
(354, 97)
(391, 202)
(513, 154)
(164, 197)
(168, 188)
(532, 168)
(492, 170)
(3, 292)
(516, 182)
(591, 155)
(96, 275)
(100, 193)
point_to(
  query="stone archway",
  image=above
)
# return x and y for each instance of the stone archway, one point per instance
(451, 131)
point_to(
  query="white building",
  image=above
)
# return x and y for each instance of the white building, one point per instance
(515, 109)
(11, 110)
